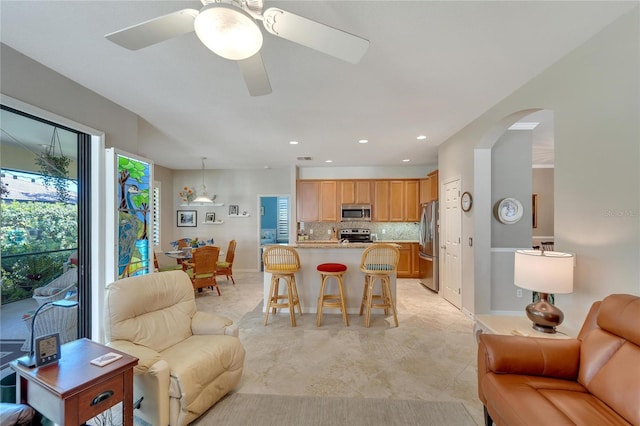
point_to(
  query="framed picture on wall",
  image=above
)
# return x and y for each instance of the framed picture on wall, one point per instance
(187, 218)
(210, 217)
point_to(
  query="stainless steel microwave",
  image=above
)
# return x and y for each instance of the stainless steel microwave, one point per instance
(355, 212)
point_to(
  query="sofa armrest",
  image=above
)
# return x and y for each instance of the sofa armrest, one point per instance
(147, 357)
(209, 323)
(535, 356)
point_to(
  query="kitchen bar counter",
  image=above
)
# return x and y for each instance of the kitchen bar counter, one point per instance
(313, 253)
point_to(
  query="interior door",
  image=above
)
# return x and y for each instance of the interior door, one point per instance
(450, 243)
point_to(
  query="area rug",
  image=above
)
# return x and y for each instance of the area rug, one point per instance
(240, 409)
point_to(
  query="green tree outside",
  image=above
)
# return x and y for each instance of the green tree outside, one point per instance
(27, 229)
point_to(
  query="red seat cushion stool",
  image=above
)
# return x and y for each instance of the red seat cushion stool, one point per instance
(332, 267)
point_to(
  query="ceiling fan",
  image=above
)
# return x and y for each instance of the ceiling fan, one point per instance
(229, 29)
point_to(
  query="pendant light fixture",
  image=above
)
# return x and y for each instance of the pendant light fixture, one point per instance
(203, 197)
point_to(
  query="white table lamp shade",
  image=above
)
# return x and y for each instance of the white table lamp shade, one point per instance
(544, 272)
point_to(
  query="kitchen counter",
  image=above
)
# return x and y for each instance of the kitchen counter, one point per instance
(313, 253)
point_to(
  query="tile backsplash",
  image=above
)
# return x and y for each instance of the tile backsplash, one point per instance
(401, 231)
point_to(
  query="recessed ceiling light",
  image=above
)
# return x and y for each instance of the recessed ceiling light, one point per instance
(363, 141)
(293, 142)
(421, 137)
(524, 125)
(406, 160)
(328, 161)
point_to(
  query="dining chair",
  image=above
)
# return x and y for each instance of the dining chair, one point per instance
(182, 243)
(204, 265)
(225, 267)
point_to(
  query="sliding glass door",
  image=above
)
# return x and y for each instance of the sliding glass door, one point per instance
(45, 217)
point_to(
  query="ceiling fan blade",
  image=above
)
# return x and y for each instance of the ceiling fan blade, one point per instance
(315, 35)
(255, 75)
(155, 30)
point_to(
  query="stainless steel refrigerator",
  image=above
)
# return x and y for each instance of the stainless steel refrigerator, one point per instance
(429, 230)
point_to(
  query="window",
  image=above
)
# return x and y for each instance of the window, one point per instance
(283, 220)
(156, 214)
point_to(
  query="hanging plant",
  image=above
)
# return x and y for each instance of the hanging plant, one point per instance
(54, 167)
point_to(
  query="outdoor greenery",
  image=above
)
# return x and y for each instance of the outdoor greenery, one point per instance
(37, 239)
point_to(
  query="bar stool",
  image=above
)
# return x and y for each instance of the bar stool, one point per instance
(328, 270)
(282, 262)
(378, 262)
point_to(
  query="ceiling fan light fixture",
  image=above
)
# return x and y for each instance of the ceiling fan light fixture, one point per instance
(228, 31)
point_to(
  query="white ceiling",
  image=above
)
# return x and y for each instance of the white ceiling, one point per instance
(431, 68)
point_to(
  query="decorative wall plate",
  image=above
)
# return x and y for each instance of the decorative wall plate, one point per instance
(509, 211)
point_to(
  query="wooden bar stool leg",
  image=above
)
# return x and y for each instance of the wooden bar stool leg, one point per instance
(292, 307)
(295, 294)
(269, 301)
(276, 294)
(367, 318)
(386, 296)
(321, 300)
(364, 294)
(393, 306)
(345, 317)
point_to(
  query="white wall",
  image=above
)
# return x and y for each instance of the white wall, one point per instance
(594, 92)
(240, 187)
(542, 185)
(511, 178)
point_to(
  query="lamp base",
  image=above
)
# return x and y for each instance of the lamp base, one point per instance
(28, 361)
(545, 316)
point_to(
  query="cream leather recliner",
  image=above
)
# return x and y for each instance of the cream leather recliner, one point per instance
(188, 359)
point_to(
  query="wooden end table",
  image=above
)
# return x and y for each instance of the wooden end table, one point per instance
(73, 391)
(513, 325)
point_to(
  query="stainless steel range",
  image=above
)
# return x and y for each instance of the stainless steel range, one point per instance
(355, 235)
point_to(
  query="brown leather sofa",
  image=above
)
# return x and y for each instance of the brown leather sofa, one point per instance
(591, 380)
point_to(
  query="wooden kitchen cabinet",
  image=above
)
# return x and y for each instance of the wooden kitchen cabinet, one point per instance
(355, 192)
(409, 263)
(405, 268)
(396, 201)
(329, 211)
(392, 200)
(317, 201)
(425, 190)
(381, 201)
(308, 201)
(429, 188)
(412, 201)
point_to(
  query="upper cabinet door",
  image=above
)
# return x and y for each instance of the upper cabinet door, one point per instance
(425, 190)
(355, 192)
(381, 201)
(396, 201)
(348, 192)
(329, 201)
(412, 201)
(363, 192)
(308, 202)
(433, 183)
